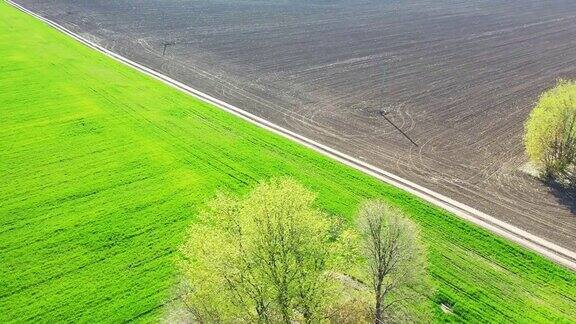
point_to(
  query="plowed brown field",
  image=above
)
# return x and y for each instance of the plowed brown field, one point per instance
(458, 77)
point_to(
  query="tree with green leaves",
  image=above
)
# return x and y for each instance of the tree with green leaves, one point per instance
(550, 137)
(264, 258)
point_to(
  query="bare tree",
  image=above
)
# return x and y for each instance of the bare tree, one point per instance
(395, 260)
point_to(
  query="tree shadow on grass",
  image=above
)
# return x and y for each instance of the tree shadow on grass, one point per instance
(566, 195)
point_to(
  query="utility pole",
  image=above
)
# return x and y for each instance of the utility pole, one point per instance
(383, 114)
(385, 109)
(166, 44)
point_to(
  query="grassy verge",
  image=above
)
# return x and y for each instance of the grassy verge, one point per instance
(103, 168)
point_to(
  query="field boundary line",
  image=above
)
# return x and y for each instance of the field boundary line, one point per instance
(537, 244)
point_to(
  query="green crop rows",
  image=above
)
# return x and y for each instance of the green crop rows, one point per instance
(102, 169)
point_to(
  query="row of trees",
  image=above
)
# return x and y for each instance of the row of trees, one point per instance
(273, 257)
(550, 137)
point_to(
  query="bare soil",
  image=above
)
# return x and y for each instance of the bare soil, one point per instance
(459, 77)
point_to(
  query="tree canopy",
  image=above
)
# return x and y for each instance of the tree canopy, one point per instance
(263, 258)
(550, 136)
(272, 257)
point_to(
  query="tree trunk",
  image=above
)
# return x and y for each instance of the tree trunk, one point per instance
(378, 312)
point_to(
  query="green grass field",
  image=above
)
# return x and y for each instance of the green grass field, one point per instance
(102, 169)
